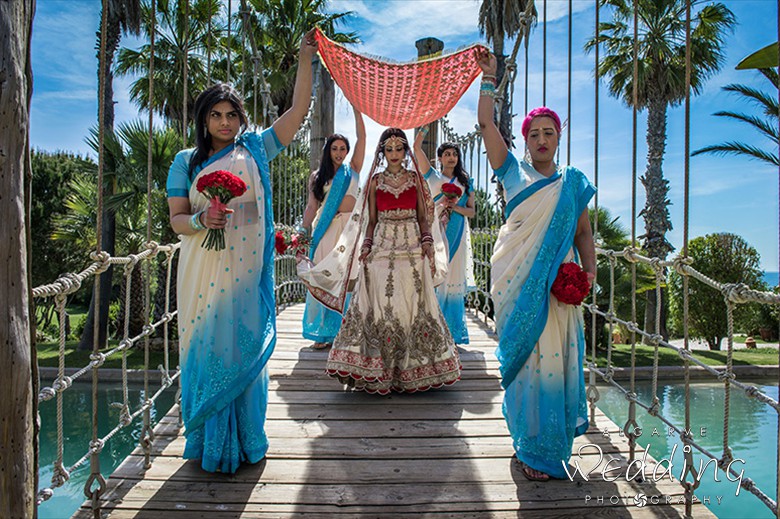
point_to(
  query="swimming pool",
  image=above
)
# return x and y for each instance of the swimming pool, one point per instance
(77, 432)
(752, 437)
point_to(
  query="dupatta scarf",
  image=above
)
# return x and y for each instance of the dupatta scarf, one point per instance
(332, 278)
(338, 189)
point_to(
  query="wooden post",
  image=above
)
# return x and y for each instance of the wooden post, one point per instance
(322, 119)
(17, 457)
(426, 48)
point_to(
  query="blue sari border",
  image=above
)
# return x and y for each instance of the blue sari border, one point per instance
(529, 315)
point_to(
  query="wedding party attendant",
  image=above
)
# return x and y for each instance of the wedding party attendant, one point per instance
(332, 191)
(541, 339)
(227, 323)
(454, 196)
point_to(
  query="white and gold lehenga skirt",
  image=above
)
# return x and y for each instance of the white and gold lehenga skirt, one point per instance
(394, 337)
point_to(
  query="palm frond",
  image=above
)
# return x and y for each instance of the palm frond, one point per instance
(765, 101)
(741, 149)
(767, 128)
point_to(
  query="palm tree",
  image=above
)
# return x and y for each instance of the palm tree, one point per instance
(499, 19)
(122, 16)
(765, 124)
(181, 30)
(126, 167)
(277, 27)
(661, 83)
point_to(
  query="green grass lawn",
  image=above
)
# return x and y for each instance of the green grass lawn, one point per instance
(48, 356)
(75, 312)
(621, 356)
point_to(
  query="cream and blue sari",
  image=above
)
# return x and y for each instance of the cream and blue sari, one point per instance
(460, 274)
(227, 316)
(541, 341)
(320, 323)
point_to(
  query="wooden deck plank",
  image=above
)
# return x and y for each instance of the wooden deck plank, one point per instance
(335, 452)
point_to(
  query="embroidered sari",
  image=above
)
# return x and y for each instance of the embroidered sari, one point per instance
(393, 337)
(541, 341)
(320, 323)
(460, 273)
(227, 316)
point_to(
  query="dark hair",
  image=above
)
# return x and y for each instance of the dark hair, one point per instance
(380, 148)
(458, 171)
(203, 105)
(326, 172)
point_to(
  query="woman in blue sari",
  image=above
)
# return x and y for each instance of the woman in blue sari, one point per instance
(227, 316)
(453, 213)
(333, 191)
(541, 340)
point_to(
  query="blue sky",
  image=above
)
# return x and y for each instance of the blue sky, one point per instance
(727, 194)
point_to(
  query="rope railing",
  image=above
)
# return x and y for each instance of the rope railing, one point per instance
(484, 233)
(732, 294)
(289, 174)
(288, 289)
(59, 290)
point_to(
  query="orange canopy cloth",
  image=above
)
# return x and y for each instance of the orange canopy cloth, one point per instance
(401, 95)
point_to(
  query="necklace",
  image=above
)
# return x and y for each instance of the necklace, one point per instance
(394, 177)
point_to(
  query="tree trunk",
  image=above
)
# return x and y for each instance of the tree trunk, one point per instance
(108, 236)
(714, 343)
(322, 124)
(17, 458)
(656, 212)
(427, 47)
(36, 383)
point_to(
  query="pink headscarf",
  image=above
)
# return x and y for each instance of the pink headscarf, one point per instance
(542, 111)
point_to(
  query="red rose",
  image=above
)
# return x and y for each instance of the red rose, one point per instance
(571, 285)
(281, 243)
(450, 190)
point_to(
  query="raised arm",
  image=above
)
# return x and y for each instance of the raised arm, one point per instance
(359, 152)
(422, 159)
(289, 122)
(494, 143)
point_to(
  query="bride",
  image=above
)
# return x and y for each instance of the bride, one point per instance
(394, 336)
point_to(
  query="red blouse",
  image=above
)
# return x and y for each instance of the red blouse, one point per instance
(387, 201)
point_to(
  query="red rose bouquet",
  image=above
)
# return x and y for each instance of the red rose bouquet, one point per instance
(571, 285)
(220, 187)
(287, 239)
(450, 192)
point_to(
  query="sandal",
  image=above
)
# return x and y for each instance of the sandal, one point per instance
(532, 474)
(321, 345)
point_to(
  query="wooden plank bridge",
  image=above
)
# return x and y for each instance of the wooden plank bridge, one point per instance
(443, 453)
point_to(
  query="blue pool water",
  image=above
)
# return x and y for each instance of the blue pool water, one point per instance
(752, 437)
(77, 432)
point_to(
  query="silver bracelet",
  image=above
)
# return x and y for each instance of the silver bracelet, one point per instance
(195, 223)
